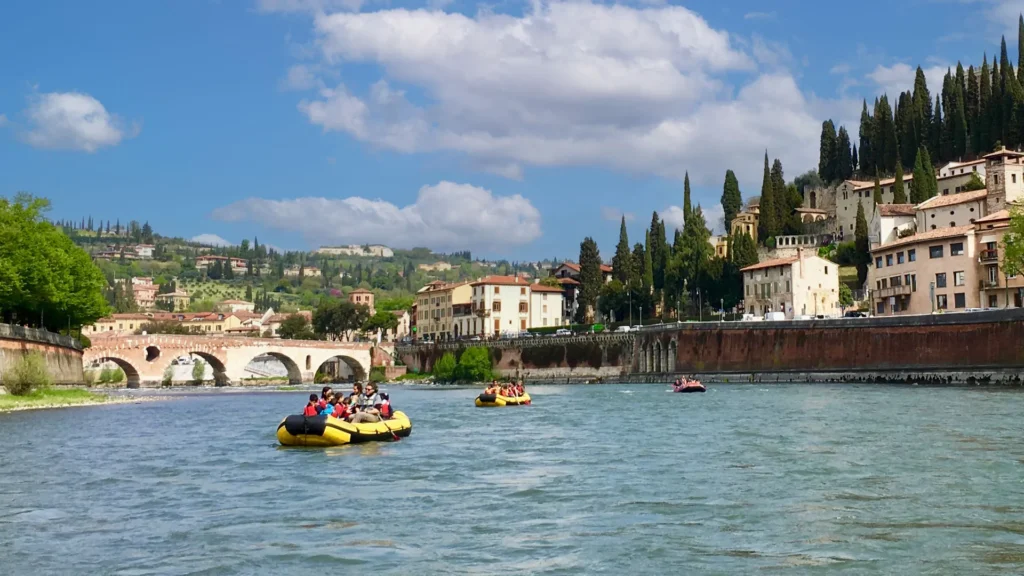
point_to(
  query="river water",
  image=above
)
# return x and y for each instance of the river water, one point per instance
(611, 479)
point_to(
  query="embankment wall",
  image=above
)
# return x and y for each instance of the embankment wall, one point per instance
(63, 354)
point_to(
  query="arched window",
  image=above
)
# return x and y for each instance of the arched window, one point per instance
(309, 363)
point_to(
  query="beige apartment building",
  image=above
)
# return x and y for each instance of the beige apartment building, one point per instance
(926, 272)
(507, 305)
(951, 211)
(805, 284)
(435, 309)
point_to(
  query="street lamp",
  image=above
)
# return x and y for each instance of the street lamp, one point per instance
(700, 306)
(721, 310)
(931, 295)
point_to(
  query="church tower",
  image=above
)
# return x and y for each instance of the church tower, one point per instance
(1004, 179)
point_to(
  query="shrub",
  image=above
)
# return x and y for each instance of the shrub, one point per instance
(168, 376)
(846, 254)
(29, 372)
(444, 368)
(377, 374)
(474, 365)
(198, 371)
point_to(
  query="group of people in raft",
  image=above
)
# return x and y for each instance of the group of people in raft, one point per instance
(685, 383)
(362, 405)
(508, 390)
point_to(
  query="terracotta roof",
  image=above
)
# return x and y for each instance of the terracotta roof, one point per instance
(884, 182)
(937, 234)
(810, 211)
(568, 281)
(952, 199)
(576, 267)
(1002, 152)
(235, 302)
(545, 288)
(125, 316)
(959, 164)
(281, 317)
(770, 264)
(896, 209)
(994, 217)
(860, 183)
(500, 281)
(361, 291)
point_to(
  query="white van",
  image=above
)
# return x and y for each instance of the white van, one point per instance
(774, 316)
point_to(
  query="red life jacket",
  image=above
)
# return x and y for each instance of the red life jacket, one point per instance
(309, 411)
(339, 411)
(385, 410)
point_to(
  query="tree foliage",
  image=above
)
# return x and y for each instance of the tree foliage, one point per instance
(334, 319)
(296, 327)
(861, 245)
(732, 200)
(899, 194)
(474, 365)
(45, 280)
(590, 279)
(444, 368)
(622, 264)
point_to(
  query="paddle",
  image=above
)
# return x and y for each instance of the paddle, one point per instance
(381, 416)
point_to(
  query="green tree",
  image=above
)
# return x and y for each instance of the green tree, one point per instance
(844, 156)
(248, 293)
(861, 243)
(474, 365)
(648, 268)
(296, 327)
(622, 264)
(922, 103)
(845, 296)
(924, 184)
(383, 321)
(614, 301)
(867, 153)
(887, 149)
(766, 224)
(975, 183)
(444, 368)
(333, 319)
(899, 194)
(877, 196)
(590, 279)
(198, 371)
(827, 153)
(732, 200)
(855, 159)
(743, 251)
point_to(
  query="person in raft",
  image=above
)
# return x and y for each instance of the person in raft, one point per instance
(353, 398)
(311, 409)
(368, 408)
(493, 388)
(325, 394)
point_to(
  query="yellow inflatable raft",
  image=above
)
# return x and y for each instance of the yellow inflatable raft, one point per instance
(327, 431)
(497, 400)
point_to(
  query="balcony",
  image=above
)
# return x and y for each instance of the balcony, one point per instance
(988, 284)
(989, 256)
(892, 291)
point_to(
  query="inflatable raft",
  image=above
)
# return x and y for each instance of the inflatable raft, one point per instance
(327, 431)
(497, 400)
(690, 388)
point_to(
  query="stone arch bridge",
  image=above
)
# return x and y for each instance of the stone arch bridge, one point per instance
(145, 358)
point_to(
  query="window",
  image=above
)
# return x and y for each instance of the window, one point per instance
(826, 272)
(996, 178)
(495, 306)
(940, 280)
(899, 257)
(748, 289)
(522, 291)
(911, 255)
(956, 249)
(895, 281)
(523, 308)
(888, 259)
(941, 302)
(993, 301)
(1013, 178)
(496, 290)
(945, 191)
(878, 284)
(497, 326)
(906, 279)
(878, 262)
(881, 307)
(787, 285)
(885, 282)
(544, 309)
(935, 251)
(960, 300)
(522, 324)
(958, 278)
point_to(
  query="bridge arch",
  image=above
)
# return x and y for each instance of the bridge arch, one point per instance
(358, 372)
(131, 373)
(294, 372)
(220, 377)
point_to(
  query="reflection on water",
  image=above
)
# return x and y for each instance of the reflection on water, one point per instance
(591, 479)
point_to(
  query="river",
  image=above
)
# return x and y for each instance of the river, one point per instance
(610, 479)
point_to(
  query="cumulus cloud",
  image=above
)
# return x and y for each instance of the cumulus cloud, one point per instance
(840, 69)
(211, 240)
(300, 77)
(73, 121)
(713, 217)
(445, 216)
(644, 90)
(616, 215)
(900, 77)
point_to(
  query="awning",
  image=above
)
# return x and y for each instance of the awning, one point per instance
(989, 238)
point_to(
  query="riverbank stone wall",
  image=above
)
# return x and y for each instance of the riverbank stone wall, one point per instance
(63, 354)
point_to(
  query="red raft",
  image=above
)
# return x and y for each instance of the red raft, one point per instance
(688, 386)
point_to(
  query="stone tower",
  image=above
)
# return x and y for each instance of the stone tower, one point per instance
(1004, 179)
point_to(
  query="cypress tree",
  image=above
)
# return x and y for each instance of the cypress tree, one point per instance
(687, 206)
(779, 197)
(732, 200)
(766, 213)
(827, 152)
(995, 106)
(887, 152)
(932, 184)
(853, 157)
(1020, 47)
(867, 154)
(622, 264)
(982, 119)
(959, 119)
(936, 132)
(877, 195)
(907, 130)
(743, 251)
(863, 255)
(649, 265)
(590, 279)
(662, 257)
(922, 109)
(971, 112)
(844, 158)
(917, 192)
(636, 278)
(899, 195)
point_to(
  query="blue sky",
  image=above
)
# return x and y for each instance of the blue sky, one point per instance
(512, 129)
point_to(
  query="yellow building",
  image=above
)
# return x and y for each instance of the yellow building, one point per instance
(435, 305)
(746, 222)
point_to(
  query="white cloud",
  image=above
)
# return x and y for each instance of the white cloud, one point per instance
(713, 216)
(840, 69)
(3, 120)
(635, 89)
(446, 216)
(616, 215)
(73, 121)
(301, 77)
(900, 77)
(308, 6)
(760, 16)
(211, 240)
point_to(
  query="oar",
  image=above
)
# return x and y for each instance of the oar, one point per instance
(393, 435)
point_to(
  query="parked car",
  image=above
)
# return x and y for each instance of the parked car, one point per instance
(855, 314)
(774, 316)
(525, 334)
(474, 338)
(803, 317)
(622, 329)
(563, 332)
